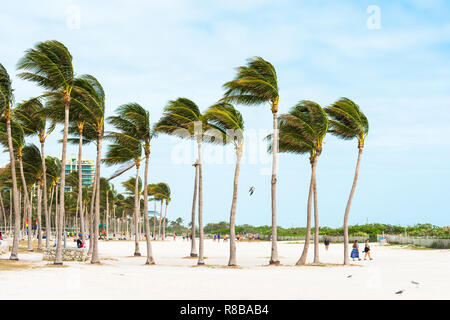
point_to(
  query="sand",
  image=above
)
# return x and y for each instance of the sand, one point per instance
(122, 276)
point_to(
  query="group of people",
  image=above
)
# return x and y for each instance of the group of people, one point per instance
(355, 249)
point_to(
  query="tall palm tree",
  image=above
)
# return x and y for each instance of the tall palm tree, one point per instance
(347, 122)
(141, 119)
(126, 149)
(255, 84)
(182, 118)
(133, 186)
(34, 173)
(6, 102)
(162, 192)
(302, 130)
(49, 65)
(230, 125)
(33, 122)
(18, 142)
(53, 170)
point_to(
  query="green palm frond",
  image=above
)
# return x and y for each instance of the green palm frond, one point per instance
(254, 84)
(6, 91)
(224, 119)
(303, 129)
(49, 65)
(347, 121)
(17, 135)
(182, 118)
(130, 185)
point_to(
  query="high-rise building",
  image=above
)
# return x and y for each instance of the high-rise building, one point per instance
(87, 169)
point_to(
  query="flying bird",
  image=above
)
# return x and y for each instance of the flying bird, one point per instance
(416, 283)
(251, 190)
(400, 292)
(349, 276)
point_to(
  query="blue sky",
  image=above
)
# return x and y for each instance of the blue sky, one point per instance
(151, 52)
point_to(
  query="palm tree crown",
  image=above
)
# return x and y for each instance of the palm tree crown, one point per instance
(347, 121)
(254, 84)
(302, 130)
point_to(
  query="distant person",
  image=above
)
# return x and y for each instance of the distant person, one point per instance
(355, 251)
(174, 236)
(218, 237)
(214, 238)
(367, 250)
(1, 236)
(327, 243)
(79, 242)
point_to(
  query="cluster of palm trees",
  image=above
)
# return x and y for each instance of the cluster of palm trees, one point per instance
(78, 102)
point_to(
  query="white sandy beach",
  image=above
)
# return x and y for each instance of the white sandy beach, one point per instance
(122, 276)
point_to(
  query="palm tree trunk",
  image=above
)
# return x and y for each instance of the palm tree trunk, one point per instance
(39, 212)
(3, 210)
(164, 223)
(154, 220)
(200, 205)
(48, 221)
(58, 259)
(274, 254)
(80, 184)
(316, 224)
(160, 220)
(302, 259)
(349, 203)
(232, 260)
(15, 246)
(150, 259)
(95, 256)
(27, 204)
(136, 214)
(194, 202)
(44, 180)
(107, 215)
(91, 213)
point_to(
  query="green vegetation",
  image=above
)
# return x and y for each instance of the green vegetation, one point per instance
(367, 230)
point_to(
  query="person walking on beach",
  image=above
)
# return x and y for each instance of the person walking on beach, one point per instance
(355, 251)
(327, 243)
(367, 250)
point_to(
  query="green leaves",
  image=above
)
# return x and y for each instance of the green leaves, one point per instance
(6, 91)
(347, 120)
(254, 84)
(49, 65)
(227, 121)
(303, 129)
(160, 191)
(182, 118)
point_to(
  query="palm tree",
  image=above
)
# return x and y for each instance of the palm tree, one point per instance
(230, 125)
(33, 170)
(182, 118)
(348, 122)
(6, 101)
(53, 170)
(162, 192)
(18, 142)
(134, 186)
(49, 65)
(302, 130)
(126, 149)
(133, 113)
(255, 84)
(33, 122)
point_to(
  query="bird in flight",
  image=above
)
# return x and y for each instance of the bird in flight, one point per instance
(400, 292)
(415, 282)
(251, 190)
(350, 276)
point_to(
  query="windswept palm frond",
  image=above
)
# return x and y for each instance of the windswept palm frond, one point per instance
(347, 121)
